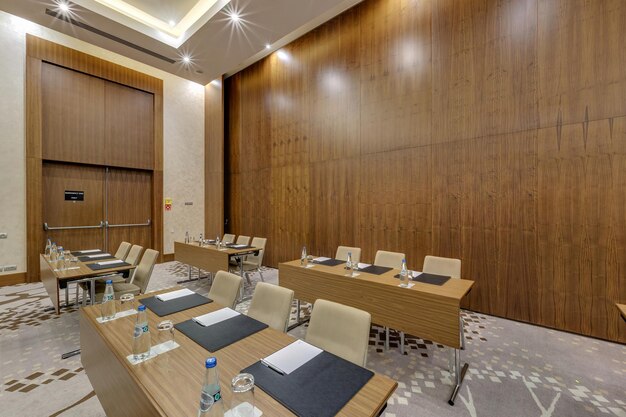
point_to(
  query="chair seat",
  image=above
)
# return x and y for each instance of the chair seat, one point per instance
(122, 288)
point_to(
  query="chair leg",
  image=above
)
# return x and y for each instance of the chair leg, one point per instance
(386, 338)
(76, 302)
(261, 274)
(402, 343)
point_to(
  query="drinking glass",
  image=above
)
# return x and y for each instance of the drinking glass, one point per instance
(242, 404)
(127, 302)
(166, 332)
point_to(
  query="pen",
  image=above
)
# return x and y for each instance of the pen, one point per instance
(273, 368)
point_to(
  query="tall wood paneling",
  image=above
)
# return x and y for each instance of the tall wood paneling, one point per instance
(73, 116)
(488, 130)
(214, 158)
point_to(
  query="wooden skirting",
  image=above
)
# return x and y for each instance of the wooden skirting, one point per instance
(12, 279)
(168, 257)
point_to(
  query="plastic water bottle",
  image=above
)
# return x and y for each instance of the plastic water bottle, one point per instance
(349, 265)
(141, 336)
(61, 259)
(404, 275)
(304, 259)
(187, 237)
(217, 242)
(200, 240)
(108, 302)
(48, 248)
(53, 252)
(211, 403)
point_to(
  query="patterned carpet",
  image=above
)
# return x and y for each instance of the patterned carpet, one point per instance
(515, 369)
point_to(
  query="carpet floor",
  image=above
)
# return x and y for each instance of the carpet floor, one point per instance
(515, 369)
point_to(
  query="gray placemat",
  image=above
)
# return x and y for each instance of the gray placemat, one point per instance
(164, 308)
(222, 334)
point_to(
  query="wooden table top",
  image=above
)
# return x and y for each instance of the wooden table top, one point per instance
(83, 270)
(173, 380)
(453, 288)
(228, 251)
(622, 309)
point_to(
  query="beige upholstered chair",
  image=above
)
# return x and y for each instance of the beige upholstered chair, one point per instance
(132, 258)
(134, 254)
(342, 253)
(225, 288)
(140, 279)
(254, 262)
(271, 305)
(228, 238)
(389, 259)
(341, 330)
(243, 240)
(122, 251)
(449, 267)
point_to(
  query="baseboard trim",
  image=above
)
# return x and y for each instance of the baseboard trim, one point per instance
(12, 279)
(168, 257)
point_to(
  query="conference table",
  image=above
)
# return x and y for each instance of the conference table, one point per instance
(169, 384)
(429, 311)
(208, 258)
(622, 310)
(54, 279)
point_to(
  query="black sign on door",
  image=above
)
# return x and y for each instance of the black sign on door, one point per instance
(74, 195)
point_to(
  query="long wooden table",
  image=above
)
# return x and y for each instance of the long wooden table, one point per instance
(170, 384)
(622, 310)
(208, 257)
(428, 311)
(52, 278)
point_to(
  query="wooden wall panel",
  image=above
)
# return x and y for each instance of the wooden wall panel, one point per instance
(72, 116)
(214, 158)
(488, 130)
(581, 53)
(129, 127)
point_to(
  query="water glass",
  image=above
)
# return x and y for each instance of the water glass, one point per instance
(127, 302)
(242, 404)
(166, 332)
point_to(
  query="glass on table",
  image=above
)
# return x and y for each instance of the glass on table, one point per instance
(242, 404)
(127, 302)
(165, 332)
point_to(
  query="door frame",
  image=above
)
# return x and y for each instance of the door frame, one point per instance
(38, 51)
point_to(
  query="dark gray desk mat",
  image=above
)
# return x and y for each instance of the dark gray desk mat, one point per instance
(376, 270)
(96, 267)
(86, 258)
(427, 278)
(164, 308)
(222, 334)
(319, 388)
(80, 253)
(330, 262)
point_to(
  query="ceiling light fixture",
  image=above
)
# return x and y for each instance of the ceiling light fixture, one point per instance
(268, 46)
(234, 17)
(187, 59)
(172, 23)
(63, 6)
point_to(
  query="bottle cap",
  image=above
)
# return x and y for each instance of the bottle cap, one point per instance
(141, 308)
(109, 281)
(211, 362)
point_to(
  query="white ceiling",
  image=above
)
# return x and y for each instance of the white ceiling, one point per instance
(215, 44)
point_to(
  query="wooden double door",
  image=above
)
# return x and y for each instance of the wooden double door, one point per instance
(87, 206)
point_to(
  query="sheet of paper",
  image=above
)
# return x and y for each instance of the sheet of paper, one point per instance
(321, 259)
(362, 265)
(291, 357)
(416, 274)
(239, 246)
(116, 261)
(174, 294)
(215, 317)
(89, 251)
(101, 255)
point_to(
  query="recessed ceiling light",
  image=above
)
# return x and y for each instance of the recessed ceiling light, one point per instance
(234, 17)
(186, 59)
(63, 6)
(172, 23)
(268, 46)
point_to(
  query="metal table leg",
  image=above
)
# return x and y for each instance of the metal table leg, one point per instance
(189, 279)
(459, 372)
(298, 322)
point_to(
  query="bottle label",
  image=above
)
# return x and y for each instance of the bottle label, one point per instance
(140, 329)
(217, 396)
(107, 297)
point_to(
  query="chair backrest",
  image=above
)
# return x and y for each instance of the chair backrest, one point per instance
(143, 272)
(442, 266)
(257, 242)
(243, 240)
(341, 330)
(228, 238)
(389, 259)
(122, 251)
(342, 253)
(271, 305)
(134, 254)
(225, 288)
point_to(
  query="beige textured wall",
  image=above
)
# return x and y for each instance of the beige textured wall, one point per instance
(183, 139)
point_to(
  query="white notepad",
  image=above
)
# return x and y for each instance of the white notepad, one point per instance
(321, 259)
(239, 246)
(117, 261)
(215, 317)
(416, 274)
(291, 357)
(363, 266)
(174, 294)
(102, 255)
(89, 251)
